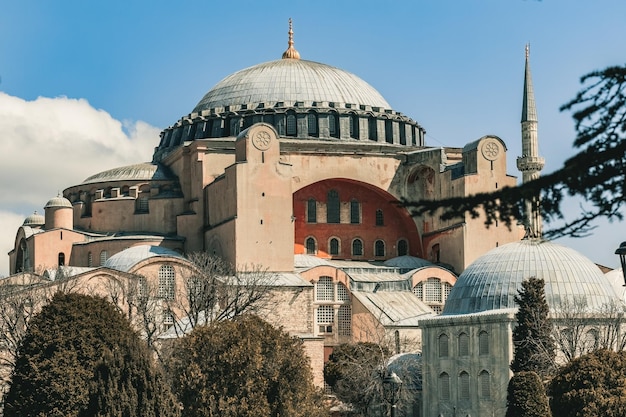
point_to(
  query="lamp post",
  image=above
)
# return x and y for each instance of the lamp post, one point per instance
(621, 251)
(391, 390)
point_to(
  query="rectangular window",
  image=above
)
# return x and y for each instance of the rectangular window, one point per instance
(344, 318)
(325, 289)
(311, 212)
(355, 212)
(325, 315)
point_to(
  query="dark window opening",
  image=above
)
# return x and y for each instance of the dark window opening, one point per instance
(403, 247)
(311, 212)
(334, 246)
(380, 220)
(310, 246)
(379, 248)
(333, 207)
(355, 212)
(357, 247)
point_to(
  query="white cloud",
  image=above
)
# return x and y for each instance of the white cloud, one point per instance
(49, 144)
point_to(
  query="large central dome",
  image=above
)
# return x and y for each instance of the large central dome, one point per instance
(289, 81)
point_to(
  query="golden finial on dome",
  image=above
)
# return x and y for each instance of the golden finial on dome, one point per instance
(291, 52)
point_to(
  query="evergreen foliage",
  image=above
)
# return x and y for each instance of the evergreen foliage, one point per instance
(243, 368)
(526, 396)
(80, 357)
(593, 385)
(595, 174)
(535, 349)
(353, 372)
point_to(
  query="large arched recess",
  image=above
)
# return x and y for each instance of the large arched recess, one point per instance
(397, 223)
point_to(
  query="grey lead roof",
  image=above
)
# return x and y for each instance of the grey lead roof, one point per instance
(144, 171)
(290, 81)
(491, 282)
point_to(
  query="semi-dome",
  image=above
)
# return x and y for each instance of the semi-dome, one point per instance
(493, 280)
(126, 259)
(137, 172)
(289, 81)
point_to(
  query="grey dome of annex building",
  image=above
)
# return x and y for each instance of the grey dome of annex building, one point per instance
(493, 280)
(300, 99)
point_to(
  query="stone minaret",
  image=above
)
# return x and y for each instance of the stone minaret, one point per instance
(530, 163)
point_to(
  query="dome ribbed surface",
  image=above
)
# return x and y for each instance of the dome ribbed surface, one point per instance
(145, 171)
(288, 81)
(493, 280)
(58, 202)
(34, 220)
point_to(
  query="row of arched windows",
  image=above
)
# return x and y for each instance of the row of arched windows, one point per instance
(333, 210)
(287, 124)
(463, 344)
(334, 247)
(464, 383)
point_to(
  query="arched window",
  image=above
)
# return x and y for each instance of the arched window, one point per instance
(444, 386)
(357, 247)
(312, 124)
(332, 297)
(334, 246)
(432, 290)
(418, 290)
(333, 125)
(388, 131)
(463, 344)
(464, 386)
(333, 207)
(355, 212)
(325, 289)
(443, 346)
(379, 248)
(61, 259)
(380, 220)
(166, 282)
(372, 128)
(103, 257)
(311, 247)
(483, 343)
(311, 211)
(291, 129)
(354, 126)
(403, 247)
(447, 287)
(484, 383)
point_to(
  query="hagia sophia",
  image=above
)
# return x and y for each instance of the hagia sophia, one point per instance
(300, 168)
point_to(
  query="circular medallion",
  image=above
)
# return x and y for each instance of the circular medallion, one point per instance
(262, 140)
(490, 150)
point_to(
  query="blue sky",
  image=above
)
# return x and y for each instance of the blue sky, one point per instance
(87, 86)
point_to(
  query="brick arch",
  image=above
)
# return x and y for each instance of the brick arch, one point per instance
(398, 223)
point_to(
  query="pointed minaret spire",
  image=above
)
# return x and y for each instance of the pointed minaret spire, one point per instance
(291, 52)
(530, 163)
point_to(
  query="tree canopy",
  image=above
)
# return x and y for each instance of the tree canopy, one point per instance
(526, 396)
(592, 385)
(243, 368)
(535, 349)
(597, 173)
(80, 357)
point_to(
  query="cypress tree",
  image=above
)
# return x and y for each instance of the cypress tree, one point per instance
(526, 396)
(535, 349)
(80, 357)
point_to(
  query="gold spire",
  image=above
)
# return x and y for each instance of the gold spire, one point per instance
(291, 52)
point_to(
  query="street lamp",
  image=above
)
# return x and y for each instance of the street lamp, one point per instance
(391, 390)
(621, 251)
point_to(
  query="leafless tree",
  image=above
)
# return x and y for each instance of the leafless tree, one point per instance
(214, 290)
(578, 329)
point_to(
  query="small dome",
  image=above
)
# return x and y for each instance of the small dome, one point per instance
(34, 220)
(58, 201)
(493, 280)
(126, 259)
(407, 262)
(290, 81)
